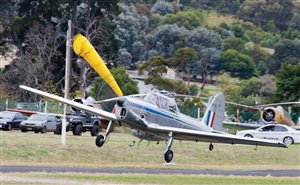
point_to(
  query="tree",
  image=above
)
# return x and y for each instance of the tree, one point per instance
(126, 84)
(162, 8)
(262, 12)
(251, 86)
(288, 83)
(208, 45)
(189, 19)
(295, 22)
(165, 40)
(130, 32)
(234, 43)
(36, 67)
(286, 51)
(156, 66)
(238, 64)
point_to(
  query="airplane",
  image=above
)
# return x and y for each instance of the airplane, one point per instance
(158, 114)
(270, 114)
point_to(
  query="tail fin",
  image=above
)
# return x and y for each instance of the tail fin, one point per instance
(214, 114)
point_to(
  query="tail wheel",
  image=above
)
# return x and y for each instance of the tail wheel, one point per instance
(288, 140)
(169, 156)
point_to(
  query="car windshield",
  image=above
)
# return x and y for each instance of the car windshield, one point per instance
(6, 115)
(38, 117)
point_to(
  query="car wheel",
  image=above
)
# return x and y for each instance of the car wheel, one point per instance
(57, 130)
(36, 131)
(23, 130)
(77, 131)
(95, 130)
(44, 130)
(288, 140)
(248, 135)
(8, 127)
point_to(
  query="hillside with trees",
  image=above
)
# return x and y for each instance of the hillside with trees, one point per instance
(249, 49)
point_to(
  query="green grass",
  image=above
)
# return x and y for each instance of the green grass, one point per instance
(45, 150)
(67, 178)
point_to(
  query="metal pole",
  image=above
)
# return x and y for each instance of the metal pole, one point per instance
(199, 113)
(67, 81)
(6, 104)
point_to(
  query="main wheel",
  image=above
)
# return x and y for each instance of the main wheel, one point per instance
(99, 140)
(211, 147)
(95, 130)
(77, 131)
(288, 140)
(168, 156)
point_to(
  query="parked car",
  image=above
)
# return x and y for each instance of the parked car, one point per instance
(81, 122)
(9, 119)
(40, 123)
(277, 132)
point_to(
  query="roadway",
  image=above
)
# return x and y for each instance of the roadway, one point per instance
(261, 173)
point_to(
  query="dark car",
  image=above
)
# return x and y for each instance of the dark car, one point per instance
(40, 123)
(9, 120)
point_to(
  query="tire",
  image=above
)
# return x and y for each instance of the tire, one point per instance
(95, 130)
(36, 131)
(8, 127)
(57, 130)
(168, 156)
(99, 140)
(23, 130)
(77, 131)
(288, 140)
(44, 130)
(248, 135)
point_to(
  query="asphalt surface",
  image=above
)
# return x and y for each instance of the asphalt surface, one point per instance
(262, 173)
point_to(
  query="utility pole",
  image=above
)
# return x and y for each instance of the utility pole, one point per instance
(67, 81)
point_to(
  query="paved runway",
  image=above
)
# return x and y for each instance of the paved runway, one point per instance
(262, 173)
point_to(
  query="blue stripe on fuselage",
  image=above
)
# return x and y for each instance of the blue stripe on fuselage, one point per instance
(158, 113)
(208, 117)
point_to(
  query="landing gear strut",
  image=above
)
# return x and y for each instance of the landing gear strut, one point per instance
(211, 147)
(169, 152)
(100, 139)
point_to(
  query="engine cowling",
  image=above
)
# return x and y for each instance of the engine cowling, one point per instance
(276, 115)
(89, 102)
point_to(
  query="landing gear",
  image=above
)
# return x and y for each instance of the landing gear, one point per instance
(211, 147)
(100, 139)
(169, 153)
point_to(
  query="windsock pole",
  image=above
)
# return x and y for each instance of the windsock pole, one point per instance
(67, 81)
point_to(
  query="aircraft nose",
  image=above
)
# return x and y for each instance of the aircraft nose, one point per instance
(121, 101)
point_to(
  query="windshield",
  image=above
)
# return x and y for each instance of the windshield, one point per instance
(6, 115)
(38, 117)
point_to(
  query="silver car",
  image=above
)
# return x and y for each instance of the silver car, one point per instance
(39, 123)
(277, 132)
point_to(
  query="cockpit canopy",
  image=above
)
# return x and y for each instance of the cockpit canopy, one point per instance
(162, 101)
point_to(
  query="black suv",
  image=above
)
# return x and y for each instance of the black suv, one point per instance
(81, 122)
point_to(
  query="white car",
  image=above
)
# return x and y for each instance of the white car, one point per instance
(277, 132)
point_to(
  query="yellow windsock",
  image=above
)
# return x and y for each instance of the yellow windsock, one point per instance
(84, 49)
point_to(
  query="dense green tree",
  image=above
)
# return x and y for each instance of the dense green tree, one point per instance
(163, 8)
(262, 12)
(165, 40)
(288, 83)
(234, 43)
(251, 86)
(155, 67)
(238, 64)
(130, 34)
(176, 86)
(189, 19)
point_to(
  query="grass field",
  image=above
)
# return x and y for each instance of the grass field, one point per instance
(79, 178)
(45, 150)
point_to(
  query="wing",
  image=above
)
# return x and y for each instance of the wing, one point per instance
(194, 135)
(92, 110)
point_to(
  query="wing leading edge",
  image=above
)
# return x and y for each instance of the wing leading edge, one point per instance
(194, 135)
(92, 110)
